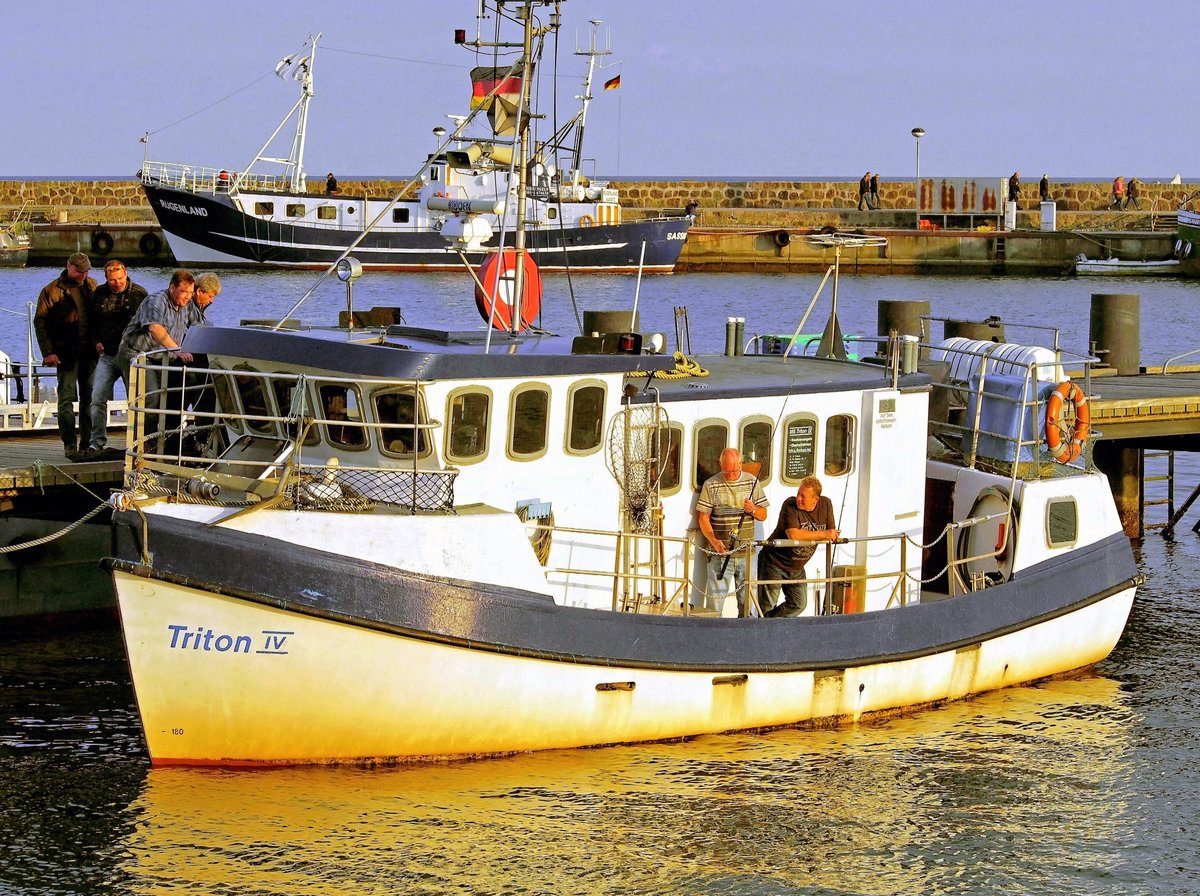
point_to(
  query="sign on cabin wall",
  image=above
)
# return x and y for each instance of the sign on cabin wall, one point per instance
(799, 449)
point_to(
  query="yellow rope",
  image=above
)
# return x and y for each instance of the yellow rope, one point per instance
(684, 367)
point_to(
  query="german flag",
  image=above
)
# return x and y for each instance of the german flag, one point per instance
(612, 83)
(484, 80)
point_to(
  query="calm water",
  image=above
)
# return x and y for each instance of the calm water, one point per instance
(1088, 786)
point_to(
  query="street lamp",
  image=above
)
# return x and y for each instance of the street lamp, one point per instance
(918, 133)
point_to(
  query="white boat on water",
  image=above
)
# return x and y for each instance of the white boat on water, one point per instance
(390, 543)
(1117, 267)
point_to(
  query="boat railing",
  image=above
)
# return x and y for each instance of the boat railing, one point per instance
(201, 179)
(201, 451)
(641, 583)
(988, 405)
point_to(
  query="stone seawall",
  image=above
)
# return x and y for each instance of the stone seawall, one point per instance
(720, 202)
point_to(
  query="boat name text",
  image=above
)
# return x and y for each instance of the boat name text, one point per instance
(268, 641)
(681, 235)
(183, 209)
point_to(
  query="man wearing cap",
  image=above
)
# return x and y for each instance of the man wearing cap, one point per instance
(61, 324)
(109, 312)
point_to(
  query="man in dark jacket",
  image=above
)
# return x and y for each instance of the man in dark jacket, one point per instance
(62, 332)
(112, 307)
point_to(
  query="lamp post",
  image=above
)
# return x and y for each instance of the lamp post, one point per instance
(918, 133)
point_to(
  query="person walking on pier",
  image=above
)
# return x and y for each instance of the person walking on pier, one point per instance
(864, 188)
(1014, 188)
(1044, 188)
(729, 504)
(61, 324)
(112, 307)
(873, 196)
(1118, 193)
(1131, 194)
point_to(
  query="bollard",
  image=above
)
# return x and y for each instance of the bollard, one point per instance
(1115, 331)
(990, 330)
(730, 337)
(904, 317)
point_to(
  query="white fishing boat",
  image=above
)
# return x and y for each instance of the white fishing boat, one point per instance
(1118, 267)
(249, 217)
(403, 543)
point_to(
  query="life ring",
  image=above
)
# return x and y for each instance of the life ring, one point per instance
(150, 244)
(497, 276)
(440, 195)
(1062, 451)
(586, 221)
(102, 243)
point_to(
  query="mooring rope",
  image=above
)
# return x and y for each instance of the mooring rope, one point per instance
(8, 549)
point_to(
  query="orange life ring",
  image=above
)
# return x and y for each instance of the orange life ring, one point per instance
(497, 276)
(1062, 451)
(586, 221)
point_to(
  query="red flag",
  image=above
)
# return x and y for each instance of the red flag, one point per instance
(612, 83)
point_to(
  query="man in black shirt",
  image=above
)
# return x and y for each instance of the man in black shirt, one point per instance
(808, 517)
(110, 309)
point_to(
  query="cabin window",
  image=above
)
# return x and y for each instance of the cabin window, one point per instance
(295, 209)
(265, 209)
(400, 412)
(711, 439)
(529, 422)
(756, 446)
(340, 408)
(670, 452)
(327, 212)
(226, 401)
(585, 428)
(799, 448)
(1062, 522)
(839, 444)
(293, 403)
(254, 401)
(469, 414)
(399, 216)
(552, 213)
(435, 173)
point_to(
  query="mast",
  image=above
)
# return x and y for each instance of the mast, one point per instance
(293, 165)
(591, 53)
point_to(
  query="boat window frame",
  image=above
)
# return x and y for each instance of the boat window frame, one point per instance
(568, 430)
(264, 209)
(266, 417)
(423, 435)
(401, 215)
(229, 399)
(849, 455)
(447, 442)
(294, 210)
(1049, 522)
(764, 476)
(515, 396)
(784, 456)
(311, 437)
(665, 486)
(323, 411)
(327, 212)
(698, 428)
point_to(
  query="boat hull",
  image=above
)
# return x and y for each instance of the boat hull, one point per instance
(209, 230)
(305, 657)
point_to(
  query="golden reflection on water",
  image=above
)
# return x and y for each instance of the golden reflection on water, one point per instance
(967, 798)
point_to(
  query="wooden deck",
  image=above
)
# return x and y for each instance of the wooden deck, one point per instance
(34, 461)
(1147, 405)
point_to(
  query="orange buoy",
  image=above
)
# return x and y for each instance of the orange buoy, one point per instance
(1063, 451)
(497, 288)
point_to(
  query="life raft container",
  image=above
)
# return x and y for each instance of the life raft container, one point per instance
(1061, 450)
(497, 287)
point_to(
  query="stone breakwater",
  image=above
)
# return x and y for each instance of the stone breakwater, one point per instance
(720, 202)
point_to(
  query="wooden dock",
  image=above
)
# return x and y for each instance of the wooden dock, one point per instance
(34, 471)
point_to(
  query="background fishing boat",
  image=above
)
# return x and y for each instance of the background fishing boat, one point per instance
(573, 222)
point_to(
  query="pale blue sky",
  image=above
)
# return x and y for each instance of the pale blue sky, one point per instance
(751, 89)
